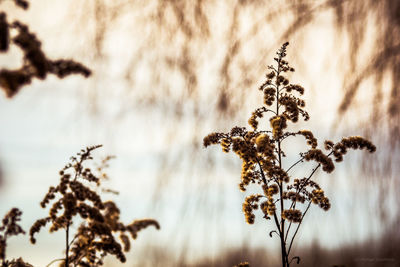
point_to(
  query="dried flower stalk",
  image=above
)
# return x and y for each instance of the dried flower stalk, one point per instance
(284, 198)
(76, 197)
(9, 227)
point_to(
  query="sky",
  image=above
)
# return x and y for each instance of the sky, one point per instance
(197, 204)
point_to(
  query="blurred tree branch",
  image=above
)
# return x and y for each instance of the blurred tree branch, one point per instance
(35, 62)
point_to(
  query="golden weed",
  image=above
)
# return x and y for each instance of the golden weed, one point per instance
(284, 199)
(9, 227)
(76, 201)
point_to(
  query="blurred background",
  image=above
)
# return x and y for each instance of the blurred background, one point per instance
(165, 74)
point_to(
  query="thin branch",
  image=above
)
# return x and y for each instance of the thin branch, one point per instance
(287, 231)
(77, 259)
(265, 131)
(294, 164)
(297, 258)
(312, 173)
(277, 223)
(273, 85)
(297, 229)
(67, 245)
(292, 206)
(286, 135)
(262, 172)
(270, 233)
(53, 261)
(272, 68)
(267, 109)
(73, 239)
(282, 88)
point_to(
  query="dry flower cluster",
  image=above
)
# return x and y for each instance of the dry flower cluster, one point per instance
(75, 196)
(284, 199)
(35, 62)
(76, 201)
(9, 227)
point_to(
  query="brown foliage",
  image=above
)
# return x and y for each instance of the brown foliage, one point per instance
(35, 63)
(10, 227)
(76, 196)
(287, 199)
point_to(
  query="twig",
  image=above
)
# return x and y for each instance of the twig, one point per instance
(53, 261)
(294, 164)
(297, 229)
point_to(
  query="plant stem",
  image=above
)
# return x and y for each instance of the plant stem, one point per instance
(53, 261)
(285, 262)
(297, 229)
(67, 246)
(294, 164)
(3, 258)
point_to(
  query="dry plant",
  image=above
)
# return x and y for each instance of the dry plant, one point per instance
(35, 62)
(75, 196)
(284, 199)
(8, 228)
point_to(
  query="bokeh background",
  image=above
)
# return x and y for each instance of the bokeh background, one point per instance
(168, 72)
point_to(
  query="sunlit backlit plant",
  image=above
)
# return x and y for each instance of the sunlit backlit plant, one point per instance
(76, 199)
(9, 227)
(284, 199)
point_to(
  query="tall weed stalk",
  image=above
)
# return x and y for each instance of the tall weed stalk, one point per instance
(283, 199)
